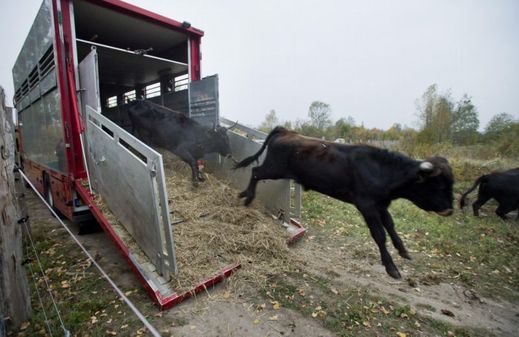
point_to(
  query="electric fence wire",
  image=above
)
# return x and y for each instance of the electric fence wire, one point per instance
(33, 277)
(49, 290)
(130, 304)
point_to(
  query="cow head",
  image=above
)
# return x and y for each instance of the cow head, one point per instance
(220, 141)
(431, 188)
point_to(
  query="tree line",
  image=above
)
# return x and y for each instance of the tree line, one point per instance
(442, 119)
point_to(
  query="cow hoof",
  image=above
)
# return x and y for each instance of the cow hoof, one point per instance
(405, 255)
(394, 273)
(242, 194)
(248, 201)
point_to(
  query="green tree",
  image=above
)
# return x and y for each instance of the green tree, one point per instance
(270, 122)
(465, 122)
(435, 113)
(319, 114)
(343, 127)
(497, 124)
(508, 142)
(501, 132)
(394, 132)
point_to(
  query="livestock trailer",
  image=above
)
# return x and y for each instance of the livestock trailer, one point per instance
(81, 64)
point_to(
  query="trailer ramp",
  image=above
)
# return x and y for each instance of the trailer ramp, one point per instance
(129, 177)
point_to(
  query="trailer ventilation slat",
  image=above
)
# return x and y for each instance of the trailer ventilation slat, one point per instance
(43, 68)
(34, 79)
(181, 82)
(46, 63)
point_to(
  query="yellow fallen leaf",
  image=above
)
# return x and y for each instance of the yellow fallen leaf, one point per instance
(24, 325)
(111, 333)
(65, 285)
(273, 318)
(314, 314)
(226, 295)
(401, 334)
(256, 321)
(276, 305)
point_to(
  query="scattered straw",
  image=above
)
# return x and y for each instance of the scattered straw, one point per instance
(216, 230)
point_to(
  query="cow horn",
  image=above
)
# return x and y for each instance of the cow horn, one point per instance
(426, 166)
(232, 126)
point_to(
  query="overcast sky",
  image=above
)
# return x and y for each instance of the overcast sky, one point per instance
(368, 59)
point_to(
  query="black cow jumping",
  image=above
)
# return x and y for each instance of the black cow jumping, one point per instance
(502, 186)
(177, 133)
(365, 176)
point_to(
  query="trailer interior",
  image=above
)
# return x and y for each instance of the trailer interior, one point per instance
(136, 59)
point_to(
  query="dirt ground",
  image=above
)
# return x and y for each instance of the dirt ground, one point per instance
(221, 313)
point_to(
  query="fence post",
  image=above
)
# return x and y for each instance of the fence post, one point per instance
(15, 304)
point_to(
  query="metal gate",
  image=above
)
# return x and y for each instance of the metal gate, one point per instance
(128, 175)
(281, 197)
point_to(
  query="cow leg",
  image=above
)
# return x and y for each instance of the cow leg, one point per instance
(389, 225)
(503, 209)
(483, 197)
(186, 156)
(258, 173)
(374, 222)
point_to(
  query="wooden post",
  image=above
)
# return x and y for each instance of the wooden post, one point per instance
(15, 304)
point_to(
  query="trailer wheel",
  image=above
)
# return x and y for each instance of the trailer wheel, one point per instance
(47, 194)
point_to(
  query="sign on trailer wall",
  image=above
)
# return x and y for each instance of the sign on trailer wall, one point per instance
(204, 101)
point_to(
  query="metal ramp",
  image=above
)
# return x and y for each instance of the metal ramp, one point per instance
(129, 176)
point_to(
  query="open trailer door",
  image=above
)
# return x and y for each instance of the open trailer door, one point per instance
(127, 177)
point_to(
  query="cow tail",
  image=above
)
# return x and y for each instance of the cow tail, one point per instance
(464, 195)
(249, 160)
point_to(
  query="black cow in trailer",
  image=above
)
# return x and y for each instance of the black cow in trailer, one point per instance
(175, 132)
(365, 176)
(502, 186)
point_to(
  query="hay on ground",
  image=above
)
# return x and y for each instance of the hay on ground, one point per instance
(217, 230)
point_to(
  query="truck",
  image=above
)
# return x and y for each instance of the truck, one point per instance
(82, 62)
